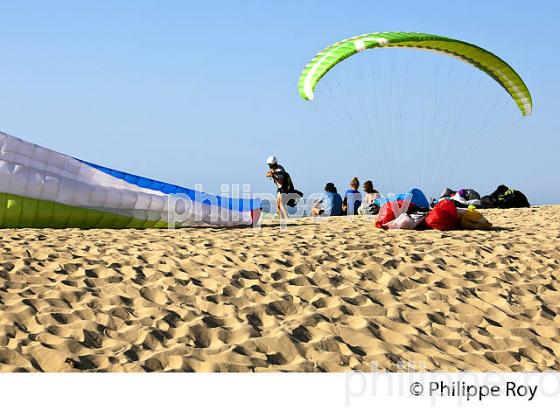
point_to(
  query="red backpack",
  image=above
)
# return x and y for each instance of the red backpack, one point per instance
(443, 217)
(387, 214)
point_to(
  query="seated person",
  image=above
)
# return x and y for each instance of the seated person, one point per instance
(352, 198)
(368, 207)
(330, 204)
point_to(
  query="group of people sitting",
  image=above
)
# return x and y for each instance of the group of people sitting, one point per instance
(353, 202)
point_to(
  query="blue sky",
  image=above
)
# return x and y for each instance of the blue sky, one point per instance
(197, 92)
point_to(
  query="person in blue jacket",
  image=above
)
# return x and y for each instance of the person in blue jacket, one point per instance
(352, 198)
(330, 204)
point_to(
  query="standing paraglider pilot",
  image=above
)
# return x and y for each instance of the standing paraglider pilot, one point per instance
(287, 195)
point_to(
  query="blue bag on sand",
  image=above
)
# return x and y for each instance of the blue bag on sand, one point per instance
(416, 196)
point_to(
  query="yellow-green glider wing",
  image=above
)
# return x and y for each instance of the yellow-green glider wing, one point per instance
(482, 59)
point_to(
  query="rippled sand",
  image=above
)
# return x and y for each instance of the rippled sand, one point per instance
(331, 295)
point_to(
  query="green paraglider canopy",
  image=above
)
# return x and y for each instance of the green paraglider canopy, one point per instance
(476, 56)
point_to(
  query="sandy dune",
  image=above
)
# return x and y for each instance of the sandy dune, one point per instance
(332, 295)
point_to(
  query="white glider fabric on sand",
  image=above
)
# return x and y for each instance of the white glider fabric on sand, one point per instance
(43, 188)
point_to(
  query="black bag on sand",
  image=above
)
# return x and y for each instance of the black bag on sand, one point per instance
(504, 197)
(513, 199)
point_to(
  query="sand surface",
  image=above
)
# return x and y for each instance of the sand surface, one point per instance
(331, 295)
